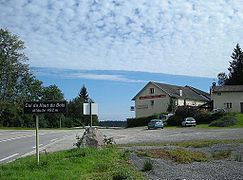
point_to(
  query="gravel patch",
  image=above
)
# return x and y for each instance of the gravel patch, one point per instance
(224, 169)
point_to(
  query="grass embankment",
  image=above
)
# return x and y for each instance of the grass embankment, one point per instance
(186, 144)
(87, 163)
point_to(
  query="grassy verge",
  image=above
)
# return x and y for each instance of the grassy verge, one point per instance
(177, 155)
(239, 119)
(194, 143)
(88, 163)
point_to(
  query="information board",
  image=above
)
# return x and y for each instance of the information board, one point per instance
(45, 107)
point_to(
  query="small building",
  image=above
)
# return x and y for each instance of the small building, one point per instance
(229, 97)
(156, 98)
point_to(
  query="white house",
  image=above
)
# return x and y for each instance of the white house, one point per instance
(228, 96)
(155, 98)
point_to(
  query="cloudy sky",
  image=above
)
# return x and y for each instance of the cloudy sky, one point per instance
(96, 39)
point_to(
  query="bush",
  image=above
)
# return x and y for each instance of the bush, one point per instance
(185, 111)
(203, 117)
(136, 122)
(217, 115)
(224, 121)
(174, 120)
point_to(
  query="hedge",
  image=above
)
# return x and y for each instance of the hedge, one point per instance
(136, 122)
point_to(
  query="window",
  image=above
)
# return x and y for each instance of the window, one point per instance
(219, 94)
(152, 102)
(151, 90)
(228, 105)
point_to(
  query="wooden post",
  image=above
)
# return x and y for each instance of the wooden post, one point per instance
(37, 139)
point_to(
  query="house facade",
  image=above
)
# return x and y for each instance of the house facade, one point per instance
(229, 97)
(156, 97)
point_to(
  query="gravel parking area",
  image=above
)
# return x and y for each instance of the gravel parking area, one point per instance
(224, 169)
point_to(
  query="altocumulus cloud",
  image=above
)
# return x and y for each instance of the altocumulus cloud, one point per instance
(183, 37)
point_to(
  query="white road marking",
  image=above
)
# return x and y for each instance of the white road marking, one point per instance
(54, 139)
(19, 137)
(39, 146)
(16, 154)
(43, 147)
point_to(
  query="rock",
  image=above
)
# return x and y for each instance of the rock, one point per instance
(92, 137)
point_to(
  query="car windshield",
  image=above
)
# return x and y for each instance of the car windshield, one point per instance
(190, 119)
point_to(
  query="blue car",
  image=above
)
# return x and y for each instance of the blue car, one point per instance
(155, 123)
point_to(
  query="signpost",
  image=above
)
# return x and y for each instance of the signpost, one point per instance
(90, 108)
(40, 107)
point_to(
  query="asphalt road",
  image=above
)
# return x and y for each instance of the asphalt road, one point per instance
(14, 144)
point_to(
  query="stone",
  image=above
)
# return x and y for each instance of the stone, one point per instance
(92, 137)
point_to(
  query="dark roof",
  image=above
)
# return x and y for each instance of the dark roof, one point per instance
(188, 92)
(228, 88)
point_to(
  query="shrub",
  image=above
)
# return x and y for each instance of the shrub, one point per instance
(203, 117)
(217, 115)
(221, 154)
(147, 165)
(174, 120)
(185, 111)
(224, 121)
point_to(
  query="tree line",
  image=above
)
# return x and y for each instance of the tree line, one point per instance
(18, 84)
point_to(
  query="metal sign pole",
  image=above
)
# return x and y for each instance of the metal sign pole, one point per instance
(90, 104)
(37, 139)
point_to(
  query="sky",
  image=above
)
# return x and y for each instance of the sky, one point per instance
(115, 47)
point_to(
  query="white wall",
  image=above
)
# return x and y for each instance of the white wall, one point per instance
(228, 97)
(144, 108)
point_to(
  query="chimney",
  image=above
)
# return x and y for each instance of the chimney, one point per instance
(180, 92)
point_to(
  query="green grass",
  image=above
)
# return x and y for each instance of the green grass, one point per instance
(177, 155)
(194, 143)
(239, 119)
(84, 163)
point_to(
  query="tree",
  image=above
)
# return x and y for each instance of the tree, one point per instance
(83, 94)
(222, 77)
(236, 67)
(13, 70)
(16, 82)
(52, 93)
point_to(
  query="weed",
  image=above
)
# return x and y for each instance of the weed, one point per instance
(147, 165)
(221, 154)
(239, 157)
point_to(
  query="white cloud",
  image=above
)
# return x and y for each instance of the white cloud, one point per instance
(61, 73)
(176, 37)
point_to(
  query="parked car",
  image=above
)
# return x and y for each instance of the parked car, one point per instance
(155, 123)
(189, 121)
(218, 110)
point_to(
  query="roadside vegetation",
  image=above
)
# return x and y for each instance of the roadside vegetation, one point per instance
(178, 155)
(186, 144)
(85, 163)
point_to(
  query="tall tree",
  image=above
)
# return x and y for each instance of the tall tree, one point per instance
(52, 93)
(236, 67)
(83, 94)
(13, 70)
